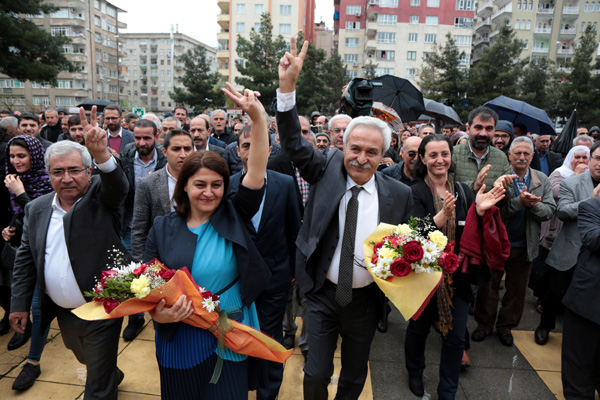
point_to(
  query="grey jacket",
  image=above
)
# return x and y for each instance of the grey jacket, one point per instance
(573, 190)
(151, 201)
(540, 186)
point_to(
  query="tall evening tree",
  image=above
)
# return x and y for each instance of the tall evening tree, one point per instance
(199, 82)
(261, 56)
(26, 51)
(498, 70)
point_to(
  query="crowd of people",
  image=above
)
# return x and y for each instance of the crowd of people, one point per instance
(271, 213)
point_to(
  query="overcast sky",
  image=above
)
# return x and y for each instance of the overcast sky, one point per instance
(196, 19)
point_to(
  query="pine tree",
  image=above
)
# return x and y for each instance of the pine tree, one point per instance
(537, 83)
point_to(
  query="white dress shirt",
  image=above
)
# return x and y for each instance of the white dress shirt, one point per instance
(61, 284)
(171, 182)
(368, 219)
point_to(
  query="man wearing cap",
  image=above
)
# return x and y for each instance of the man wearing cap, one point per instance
(313, 117)
(323, 141)
(503, 136)
(595, 133)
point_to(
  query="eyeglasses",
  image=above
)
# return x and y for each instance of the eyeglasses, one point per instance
(73, 172)
(111, 118)
(411, 154)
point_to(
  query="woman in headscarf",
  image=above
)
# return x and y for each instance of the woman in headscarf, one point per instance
(26, 179)
(550, 294)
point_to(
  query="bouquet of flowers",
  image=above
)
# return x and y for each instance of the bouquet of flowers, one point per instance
(135, 288)
(409, 262)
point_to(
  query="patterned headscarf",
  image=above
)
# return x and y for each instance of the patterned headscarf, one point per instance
(35, 180)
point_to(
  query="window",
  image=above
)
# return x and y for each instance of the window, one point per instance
(519, 5)
(285, 28)
(410, 72)
(433, 3)
(65, 101)
(431, 20)
(285, 10)
(387, 19)
(430, 38)
(386, 37)
(259, 9)
(582, 27)
(111, 12)
(522, 24)
(384, 71)
(415, 3)
(240, 27)
(465, 5)
(59, 31)
(598, 6)
(413, 37)
(462, 40)
(41, 100)
(351, 73)
(411, 55)
(62, 84)
(414, 19)
(386, 55)
(257, 27)
(351, 58)
(461, 22)
(427, 56)
(97, 4)
(388, 3)
(463, 59)
(517, 24)
(585, 7)
(97, 21)
(526, 43)
(531, 4)
(62, 13)
(528, 26)
(66, 49)
(240, 8)
(352, 25)
(352, 10)
(351, 42)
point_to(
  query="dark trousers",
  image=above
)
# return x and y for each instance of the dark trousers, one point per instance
(580, 357)
(557, 283)
(453, 345)
(95, 344)
(356, 324)
(517, 270)
(271, 308)
(537, 279)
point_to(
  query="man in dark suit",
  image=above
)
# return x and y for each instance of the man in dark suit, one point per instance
(581, 329)
(342, 298)
(118, 138)
(153, 193)
(200, 130)
(549, 160)
(64, 247)
(273, 229)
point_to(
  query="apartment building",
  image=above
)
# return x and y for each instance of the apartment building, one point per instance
(399, 35)
(240, 17)
(152, 68)
(93, 26)
(323, 38)
(549, 28)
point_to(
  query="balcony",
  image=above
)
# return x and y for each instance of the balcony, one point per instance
(372, 12)
(568, 31)
(485, 24)
(223, 5)
(222, 54)
(564, 69)
(486, 9)
(78, 57)
(571, 10)
(545, 11)
(502, 14)
(372, 29)
(481, 40)
(565, 52)
(224, 72)
(223, 20)
(144, 66)
(370, 45)
(542, 31)
(223, 34)
(540, 50)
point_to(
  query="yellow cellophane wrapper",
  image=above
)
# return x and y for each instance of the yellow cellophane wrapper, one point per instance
(242, 339)
(408, 293)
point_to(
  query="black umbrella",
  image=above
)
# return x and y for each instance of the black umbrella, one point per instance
(400, 95)
(515, 111)
(100, 104)
(564, 141)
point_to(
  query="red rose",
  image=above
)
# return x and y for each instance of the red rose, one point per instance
(110, 304)
(139, 270)
(207, 293)
(400, 267)
(449, 247)
(449, 262)
(106, 275)
(413, 252)
(167, 274)
(376, 251)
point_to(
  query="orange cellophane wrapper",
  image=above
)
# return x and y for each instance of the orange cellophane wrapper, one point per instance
(242, 339)
(410, 293)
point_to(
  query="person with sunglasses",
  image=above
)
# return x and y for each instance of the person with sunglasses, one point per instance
(404, 171)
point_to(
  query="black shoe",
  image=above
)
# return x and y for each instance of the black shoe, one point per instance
(541, 335)
(27, 376)
(506, 339)
(289, 342)
(120, 376)
(134, 327)
(4, 325)
(479, 336)
(382, 326)
(415, 384)
(19, 339)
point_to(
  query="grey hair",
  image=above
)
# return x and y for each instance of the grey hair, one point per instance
(536, 136)
(521, 139)
(12, 121)
(585, 138)
(219, 111)
(169, 119)
(336, 117)
(423, 126)
(154, 118)
(370, 122)
(64, 148)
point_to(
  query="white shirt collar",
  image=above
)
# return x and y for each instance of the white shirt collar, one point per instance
(56, 204)
(120, 133)
(370, 186)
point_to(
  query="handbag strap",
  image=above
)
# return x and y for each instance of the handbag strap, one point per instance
(226, 288)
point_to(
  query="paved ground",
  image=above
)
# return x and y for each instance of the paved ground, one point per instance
(525, 371)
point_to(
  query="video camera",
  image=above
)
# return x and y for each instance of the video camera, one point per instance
(357, 99)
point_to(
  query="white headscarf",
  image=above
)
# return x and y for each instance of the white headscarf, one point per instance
(566, 170)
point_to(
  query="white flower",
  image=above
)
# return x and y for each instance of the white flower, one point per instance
(209, 304)
(404, 229)
(431, 252)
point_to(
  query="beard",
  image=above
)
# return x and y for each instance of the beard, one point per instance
(478, 144)
(144, 150)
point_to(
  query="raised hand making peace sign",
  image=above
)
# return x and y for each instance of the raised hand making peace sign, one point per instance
(96, 139)
(290, 66)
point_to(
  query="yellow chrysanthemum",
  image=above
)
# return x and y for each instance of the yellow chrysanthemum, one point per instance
(140, 287)
(404, 229)
(386, 252)
(438, 239)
